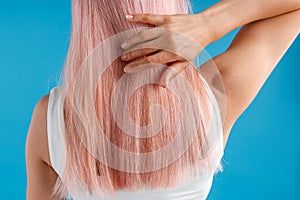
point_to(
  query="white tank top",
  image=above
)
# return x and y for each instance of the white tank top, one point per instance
(198, 189)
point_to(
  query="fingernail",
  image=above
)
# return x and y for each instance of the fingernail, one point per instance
(167, 82)
(131, 70)
(126, 69)
(124, 45)
(129, 16)
(167, 77)
(164, 79)
(164, 84)
(134, 69)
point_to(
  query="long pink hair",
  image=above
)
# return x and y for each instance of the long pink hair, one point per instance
(91, 165)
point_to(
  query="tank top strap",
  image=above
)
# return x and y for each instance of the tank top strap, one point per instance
(55, 129)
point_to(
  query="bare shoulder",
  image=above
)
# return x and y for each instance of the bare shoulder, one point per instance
(36, 143)
(41, 177)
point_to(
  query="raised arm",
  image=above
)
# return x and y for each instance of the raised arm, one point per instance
(227, 15)
(248, 62)
(204, 28)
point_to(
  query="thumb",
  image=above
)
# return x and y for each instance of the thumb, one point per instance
(153, 19)
(172, 71)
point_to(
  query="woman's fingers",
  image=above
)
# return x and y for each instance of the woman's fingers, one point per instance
(142, 36)
(140, 50)
(177, 38)
(162, 57)
(153, 19)
(172, 71)
(133, 54)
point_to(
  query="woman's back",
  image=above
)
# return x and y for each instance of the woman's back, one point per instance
(100, 127)
(120, 131)
(196, 189)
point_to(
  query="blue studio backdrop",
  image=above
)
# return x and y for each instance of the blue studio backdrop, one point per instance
(262, 158)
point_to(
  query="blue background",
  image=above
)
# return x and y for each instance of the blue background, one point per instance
(262, 158)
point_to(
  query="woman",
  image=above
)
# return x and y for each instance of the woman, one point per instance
(75, 156)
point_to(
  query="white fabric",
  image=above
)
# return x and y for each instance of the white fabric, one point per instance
(198, 189)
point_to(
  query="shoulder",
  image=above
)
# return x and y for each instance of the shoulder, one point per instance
(41, 177)
(36, 143)
(41, 106)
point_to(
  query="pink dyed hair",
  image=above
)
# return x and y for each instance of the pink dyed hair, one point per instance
(94, 21)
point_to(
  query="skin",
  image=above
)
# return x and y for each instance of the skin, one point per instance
(244, 67)
(204, 28)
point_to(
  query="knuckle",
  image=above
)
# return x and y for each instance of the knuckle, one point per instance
(145, 17)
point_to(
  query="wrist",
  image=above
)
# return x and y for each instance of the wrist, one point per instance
(206, 33)
(218, 20)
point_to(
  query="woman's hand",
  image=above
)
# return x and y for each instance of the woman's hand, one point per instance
(176, 41)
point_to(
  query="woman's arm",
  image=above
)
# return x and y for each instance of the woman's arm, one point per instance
(40, 176)
(251, 57)
(228, 15)
(204, 28)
